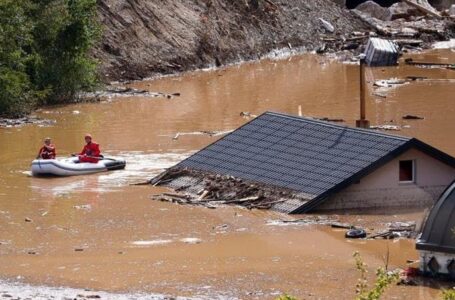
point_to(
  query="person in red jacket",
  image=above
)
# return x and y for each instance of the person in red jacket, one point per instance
(91, 152)
(47, 151)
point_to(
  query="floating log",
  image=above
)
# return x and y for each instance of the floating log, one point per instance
(341, 225)
(410, 61)
(412, 117)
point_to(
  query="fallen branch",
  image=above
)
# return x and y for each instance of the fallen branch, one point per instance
(141, 183)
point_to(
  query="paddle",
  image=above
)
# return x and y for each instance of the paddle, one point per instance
(97, 157)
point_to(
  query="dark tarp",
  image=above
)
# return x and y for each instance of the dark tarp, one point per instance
(438, 233)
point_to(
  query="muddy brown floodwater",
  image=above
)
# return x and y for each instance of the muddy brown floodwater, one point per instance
(99, 232)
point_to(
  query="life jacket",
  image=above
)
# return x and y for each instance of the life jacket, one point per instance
(93, 150)
(45, 153)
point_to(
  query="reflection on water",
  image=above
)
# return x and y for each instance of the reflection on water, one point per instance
(227, 251)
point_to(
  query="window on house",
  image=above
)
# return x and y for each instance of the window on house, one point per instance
(407, 170)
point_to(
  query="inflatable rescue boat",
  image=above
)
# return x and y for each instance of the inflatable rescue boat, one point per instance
(71, 166)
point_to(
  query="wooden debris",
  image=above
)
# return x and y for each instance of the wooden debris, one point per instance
(202, 132)
(397, 230)
(410, 42)
(386, 127)
(412, 117)
(307, 220)
(341, 225)
(379, 95)
(118, 91)
(389, 82)
(336, 120)
(247, 114)
(414, 78)
(410, 61)
(5, 122)
(214, 190)
(141, 183)
(202, 196)
(157, 180)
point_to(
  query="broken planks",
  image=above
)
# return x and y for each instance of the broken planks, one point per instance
(252, 202)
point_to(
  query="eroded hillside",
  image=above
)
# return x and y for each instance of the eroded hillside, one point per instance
(144, 37)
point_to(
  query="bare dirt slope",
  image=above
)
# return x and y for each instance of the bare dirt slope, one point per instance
(146, 37)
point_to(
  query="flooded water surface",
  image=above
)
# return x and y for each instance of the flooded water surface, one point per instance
(102, 233)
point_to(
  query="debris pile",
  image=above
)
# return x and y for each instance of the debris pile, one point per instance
(393, 230)
(194, 187)
(407, 23)
(7, 123)
(119, 91)
(332, 221)
(397, 230)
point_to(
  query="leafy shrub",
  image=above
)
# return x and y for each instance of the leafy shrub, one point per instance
(448, 294)
(383, 280)
(286, 297)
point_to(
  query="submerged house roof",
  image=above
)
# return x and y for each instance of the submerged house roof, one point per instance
(439, 230)
(314, 158)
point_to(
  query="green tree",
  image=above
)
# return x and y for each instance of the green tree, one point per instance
(64, 34)
(16, 93)
(45, 52)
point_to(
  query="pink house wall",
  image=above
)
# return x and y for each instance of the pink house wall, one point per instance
(382, 188)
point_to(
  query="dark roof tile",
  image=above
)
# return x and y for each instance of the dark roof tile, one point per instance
(309, 156)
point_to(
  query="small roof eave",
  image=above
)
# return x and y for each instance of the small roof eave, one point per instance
(433, 152)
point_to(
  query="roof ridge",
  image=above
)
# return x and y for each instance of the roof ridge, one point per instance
(327, 124)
